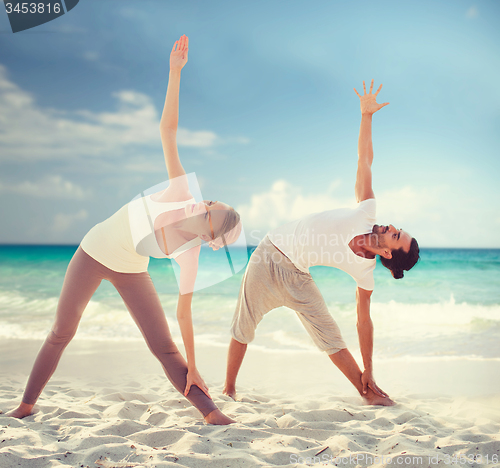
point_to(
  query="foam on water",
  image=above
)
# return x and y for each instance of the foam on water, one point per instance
(440, 330)
(447, 308)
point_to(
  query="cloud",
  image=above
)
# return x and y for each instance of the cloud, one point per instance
(472, 12)
(441, 216)
(47, 187)
(29, 132)
(438, 216)
(235, 140)
(203, 139)
(407, 203)
(91, 56)
(283, 203)
(63, 221)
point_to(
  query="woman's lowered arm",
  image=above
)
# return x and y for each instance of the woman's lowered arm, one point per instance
(188, 261)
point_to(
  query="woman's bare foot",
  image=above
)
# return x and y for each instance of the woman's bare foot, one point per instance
(371, 398)
(217, 417)
(21, 411)
(230, 392)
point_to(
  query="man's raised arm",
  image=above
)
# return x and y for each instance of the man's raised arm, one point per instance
(363, 189)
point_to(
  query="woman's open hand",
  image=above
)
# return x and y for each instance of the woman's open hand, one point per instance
(194, 378)
(368, 101)
(179, 54)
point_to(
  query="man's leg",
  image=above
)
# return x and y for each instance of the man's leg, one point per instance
(259, 293)
(347, 365)
(235, 357)
(306, 299)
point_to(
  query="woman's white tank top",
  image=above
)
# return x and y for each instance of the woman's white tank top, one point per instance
(125, 241)
(142, 215)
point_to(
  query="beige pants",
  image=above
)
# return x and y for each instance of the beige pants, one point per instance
(272, 280)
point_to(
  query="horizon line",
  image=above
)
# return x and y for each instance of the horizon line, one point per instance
(26, 244)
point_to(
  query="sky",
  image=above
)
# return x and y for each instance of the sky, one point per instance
(269, 120)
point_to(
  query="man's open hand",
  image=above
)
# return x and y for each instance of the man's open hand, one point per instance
(369, 382)
(368, 101)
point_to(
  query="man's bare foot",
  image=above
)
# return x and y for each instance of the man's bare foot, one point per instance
(217, 417)
(230, 391)
(21, 411)
(371, 398)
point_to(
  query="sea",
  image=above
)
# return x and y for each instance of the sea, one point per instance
(446, 308)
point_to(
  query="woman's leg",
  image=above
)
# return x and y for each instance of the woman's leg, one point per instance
(143, 303)
(83, 277)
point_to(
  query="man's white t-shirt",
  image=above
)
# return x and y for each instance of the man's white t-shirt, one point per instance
(323, 239)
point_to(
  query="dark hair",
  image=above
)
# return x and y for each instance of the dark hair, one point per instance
(402, 260)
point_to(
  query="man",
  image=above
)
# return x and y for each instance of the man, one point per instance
(278, 272)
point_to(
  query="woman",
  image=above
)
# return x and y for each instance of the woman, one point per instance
(118, 250)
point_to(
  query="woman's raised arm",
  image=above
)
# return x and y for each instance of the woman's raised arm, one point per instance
(170, 116)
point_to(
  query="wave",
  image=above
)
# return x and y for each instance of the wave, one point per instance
(441, 330)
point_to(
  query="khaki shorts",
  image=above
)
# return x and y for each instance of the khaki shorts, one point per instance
(272, 280)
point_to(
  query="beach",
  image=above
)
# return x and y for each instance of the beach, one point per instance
(296, 411)
(436, 353)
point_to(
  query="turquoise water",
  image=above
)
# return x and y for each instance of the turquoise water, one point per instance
(447, 307)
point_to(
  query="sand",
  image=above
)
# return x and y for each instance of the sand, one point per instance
(109, 405)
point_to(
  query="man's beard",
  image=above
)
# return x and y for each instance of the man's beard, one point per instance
(377, 239)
